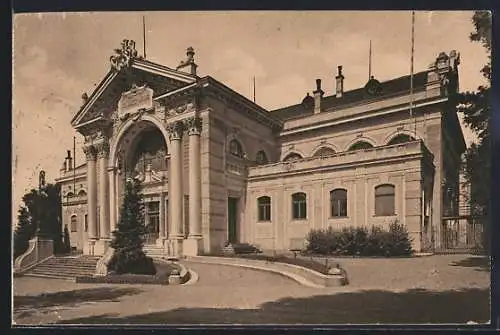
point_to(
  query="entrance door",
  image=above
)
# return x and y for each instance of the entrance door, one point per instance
(232, 220)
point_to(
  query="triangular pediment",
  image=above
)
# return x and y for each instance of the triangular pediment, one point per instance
(104, 99)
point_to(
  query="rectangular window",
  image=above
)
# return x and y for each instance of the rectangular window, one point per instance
(74, 224)
(384, 200)
(299, 206)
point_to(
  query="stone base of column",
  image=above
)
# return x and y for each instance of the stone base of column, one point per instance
(193, 246)
(101, 246)
(176, 246)
(89, 246)
(160, 242)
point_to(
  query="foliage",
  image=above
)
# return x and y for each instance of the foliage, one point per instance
(23, 232)
(359, 241)
(476, 108)
(127, 240)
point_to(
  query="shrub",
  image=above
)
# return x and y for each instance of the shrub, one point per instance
(359, 241)
(399, 242)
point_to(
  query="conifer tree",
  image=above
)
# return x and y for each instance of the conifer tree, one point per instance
(127, 240)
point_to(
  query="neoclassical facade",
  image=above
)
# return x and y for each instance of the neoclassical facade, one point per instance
(215, 167)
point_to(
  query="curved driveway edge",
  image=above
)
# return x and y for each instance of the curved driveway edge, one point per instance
(301, 275)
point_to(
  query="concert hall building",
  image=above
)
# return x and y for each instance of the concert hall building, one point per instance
(215, 167)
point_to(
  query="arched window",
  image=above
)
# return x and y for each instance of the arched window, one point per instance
(69, 195)
(384, 200)
(74, 224)
(323, 151)
(360, 145)
(299, 206)
(292, 157)
(401, 138)
(261, 158)
(338, 203)
(82, 194)
(264, 208)
(235, 148)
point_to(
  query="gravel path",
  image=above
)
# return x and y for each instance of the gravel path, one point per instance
(226, 294)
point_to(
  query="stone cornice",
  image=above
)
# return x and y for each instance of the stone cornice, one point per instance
(219, 91)
(321, 120)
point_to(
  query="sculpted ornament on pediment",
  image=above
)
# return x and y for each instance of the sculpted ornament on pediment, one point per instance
(123, 56)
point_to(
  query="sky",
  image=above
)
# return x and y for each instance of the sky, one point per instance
(58, 56)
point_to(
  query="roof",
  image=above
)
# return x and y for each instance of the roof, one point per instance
(391, 87)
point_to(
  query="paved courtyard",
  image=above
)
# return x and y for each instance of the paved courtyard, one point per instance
(435, 289)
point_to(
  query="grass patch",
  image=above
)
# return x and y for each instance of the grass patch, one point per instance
(163, 271)
(306, 263)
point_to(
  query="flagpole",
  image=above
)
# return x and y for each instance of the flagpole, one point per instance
(144, 35)
(370, 61)
(74, 164)
(411, 72)
(254, 89)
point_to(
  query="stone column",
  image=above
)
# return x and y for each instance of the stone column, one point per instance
(192, 247)
(175, 131)
(103, 156)
(161, 236)
(90, 153)
(112, 203)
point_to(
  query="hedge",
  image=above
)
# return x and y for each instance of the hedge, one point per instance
(360, 241)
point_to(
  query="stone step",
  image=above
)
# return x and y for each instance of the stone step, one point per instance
(65, 267)
(61, 275)
(50, 276)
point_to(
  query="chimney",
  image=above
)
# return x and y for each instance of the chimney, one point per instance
(189, 62)
(318, 95)
(339, 90)
(69, 161)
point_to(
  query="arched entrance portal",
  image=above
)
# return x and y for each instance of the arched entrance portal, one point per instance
(142, 154)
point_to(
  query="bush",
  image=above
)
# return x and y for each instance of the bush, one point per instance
(359, 241)
(135, 262)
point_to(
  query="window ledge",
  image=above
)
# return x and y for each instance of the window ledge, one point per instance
(299, 220)
(264, 222)
(339, 218)
(385, 216)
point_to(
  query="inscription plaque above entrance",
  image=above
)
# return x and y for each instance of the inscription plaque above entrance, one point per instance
(131, 102)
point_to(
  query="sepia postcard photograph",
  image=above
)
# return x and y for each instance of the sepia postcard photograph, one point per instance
(251, 168)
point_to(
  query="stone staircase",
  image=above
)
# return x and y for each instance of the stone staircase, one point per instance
(154, 251)
(65, 267)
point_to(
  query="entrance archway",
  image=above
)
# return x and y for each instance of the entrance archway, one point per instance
(141, 153)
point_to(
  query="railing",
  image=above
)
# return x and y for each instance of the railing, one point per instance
(462, 232)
